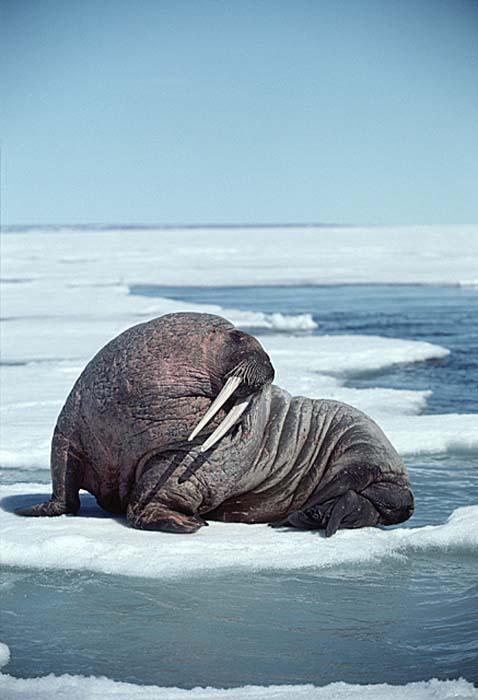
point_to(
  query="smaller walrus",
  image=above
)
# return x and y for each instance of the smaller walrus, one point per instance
(176, 420)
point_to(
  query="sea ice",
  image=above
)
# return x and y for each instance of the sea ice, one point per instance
(353, 255)
(432, 434)
(94, 542)
(66, 293)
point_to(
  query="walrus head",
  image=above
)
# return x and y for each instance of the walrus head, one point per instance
(247, 368)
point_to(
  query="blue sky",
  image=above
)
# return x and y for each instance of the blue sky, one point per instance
(209, 111)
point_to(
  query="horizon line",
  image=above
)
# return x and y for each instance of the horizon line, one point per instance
(12, 228)
(114, 226)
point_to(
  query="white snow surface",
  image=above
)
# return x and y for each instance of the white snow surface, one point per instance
(91, 688)
(432, 434)
(96, 542)
(327, 255)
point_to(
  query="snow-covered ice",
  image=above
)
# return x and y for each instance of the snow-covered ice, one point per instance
(90, 688)
(328, 255)
(4, 654)
(94, 542)
(432, 434)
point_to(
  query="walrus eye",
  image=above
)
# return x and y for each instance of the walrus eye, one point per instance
(226, 392)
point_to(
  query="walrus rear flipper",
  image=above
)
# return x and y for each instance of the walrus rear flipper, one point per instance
(348, 511)
(385, 502)
(351, 511)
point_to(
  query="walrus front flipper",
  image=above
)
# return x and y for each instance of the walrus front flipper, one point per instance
(66, 470)
(156, 516)
(50, 509)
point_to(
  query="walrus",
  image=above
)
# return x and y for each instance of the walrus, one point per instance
(176, 422)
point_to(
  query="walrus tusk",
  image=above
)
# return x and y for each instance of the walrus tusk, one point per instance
(226, 392)
(232, 417)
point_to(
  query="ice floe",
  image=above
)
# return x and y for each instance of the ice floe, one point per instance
(432, 434)
(97, 542)
(47, 321)
(344, 355)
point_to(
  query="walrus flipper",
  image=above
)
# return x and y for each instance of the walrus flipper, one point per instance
(351, 511)
(382, 502)
(155, 516)
(160, 502)
(67, 468)
(50, 509)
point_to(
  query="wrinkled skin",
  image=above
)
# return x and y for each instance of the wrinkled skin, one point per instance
(289, 461)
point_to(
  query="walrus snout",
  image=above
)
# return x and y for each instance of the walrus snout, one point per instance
(251, 370)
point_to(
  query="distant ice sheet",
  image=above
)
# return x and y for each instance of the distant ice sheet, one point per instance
(416, 255)
(101, 688)
(93, 542)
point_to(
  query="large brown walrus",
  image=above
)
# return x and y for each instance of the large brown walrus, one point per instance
(176, 421)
